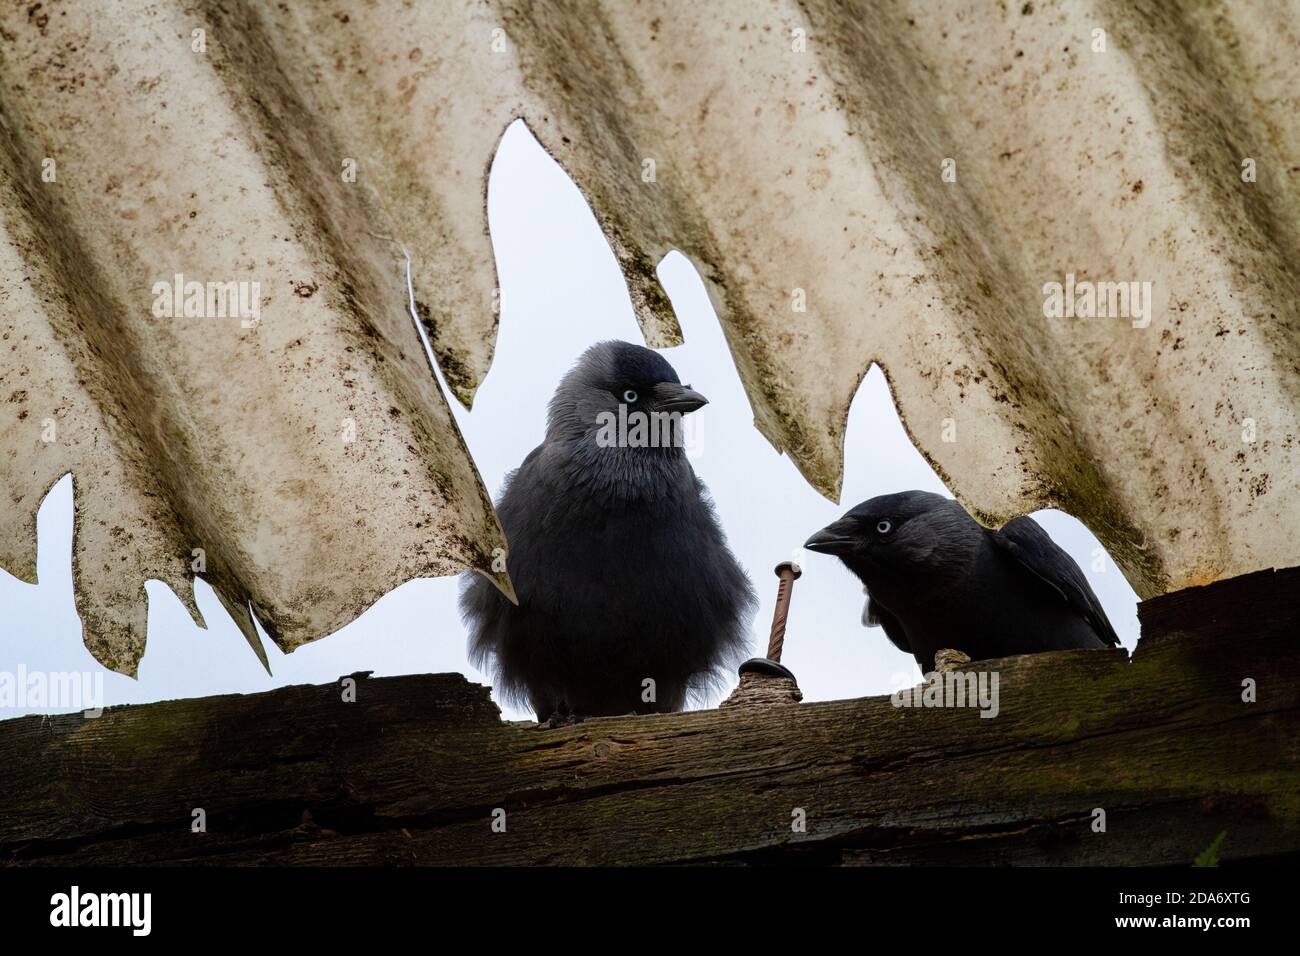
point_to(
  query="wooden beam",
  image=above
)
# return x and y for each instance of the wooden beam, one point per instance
(413, 770)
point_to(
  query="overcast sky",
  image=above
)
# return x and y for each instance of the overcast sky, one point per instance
(561, 290)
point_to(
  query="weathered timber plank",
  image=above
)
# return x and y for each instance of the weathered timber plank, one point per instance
(411, 772)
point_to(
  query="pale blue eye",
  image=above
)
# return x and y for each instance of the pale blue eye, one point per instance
(884, 526)
(630, 397)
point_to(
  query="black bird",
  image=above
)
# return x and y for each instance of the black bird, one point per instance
(936, 578)
(622, 572)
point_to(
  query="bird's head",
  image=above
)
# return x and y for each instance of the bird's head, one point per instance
(621, 395)
(896, 542)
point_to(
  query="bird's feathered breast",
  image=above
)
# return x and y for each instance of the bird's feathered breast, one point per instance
(607, 517)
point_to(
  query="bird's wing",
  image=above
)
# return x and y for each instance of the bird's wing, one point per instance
(873, 615)
(1024, 540)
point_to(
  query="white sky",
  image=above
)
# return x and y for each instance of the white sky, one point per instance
(561, 290)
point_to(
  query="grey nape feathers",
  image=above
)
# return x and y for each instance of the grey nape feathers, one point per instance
(937, 579)
(629, 599)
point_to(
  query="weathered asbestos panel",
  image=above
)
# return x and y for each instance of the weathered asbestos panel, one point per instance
(820, 171)
(797, 151)
(312, 457)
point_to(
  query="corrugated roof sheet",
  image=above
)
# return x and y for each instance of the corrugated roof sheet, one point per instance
(795, 151)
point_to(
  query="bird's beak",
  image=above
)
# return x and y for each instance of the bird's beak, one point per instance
(671, 397)
(836, 538)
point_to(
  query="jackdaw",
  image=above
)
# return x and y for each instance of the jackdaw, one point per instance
(629, 599)
(936, 578)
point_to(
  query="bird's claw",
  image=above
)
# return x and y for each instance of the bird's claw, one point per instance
(563, 720)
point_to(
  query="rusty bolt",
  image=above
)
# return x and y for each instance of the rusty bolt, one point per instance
(788, 572)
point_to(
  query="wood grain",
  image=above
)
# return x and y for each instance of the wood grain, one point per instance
(411, 772)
